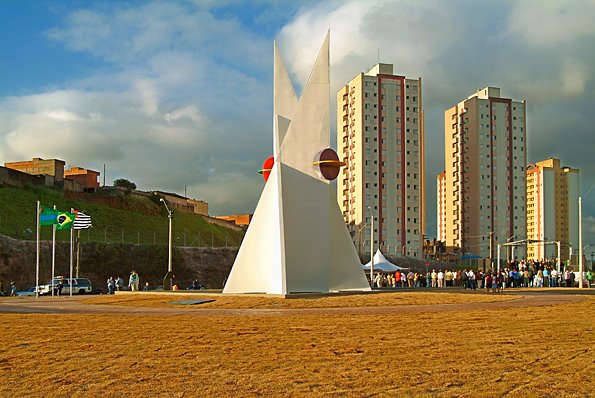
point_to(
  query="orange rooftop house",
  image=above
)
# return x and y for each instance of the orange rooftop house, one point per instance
(237, 219)
(87, 179)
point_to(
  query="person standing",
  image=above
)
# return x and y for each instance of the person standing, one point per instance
(134, 281)
(554, 278)
(567, 278)
(471, 276)
(13, 289)
(110, 285)
(119, 283)
(448, 278)
(397, 279)
(410, 277)
(378, 280)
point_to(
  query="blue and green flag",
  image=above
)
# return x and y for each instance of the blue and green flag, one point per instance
(61, 219)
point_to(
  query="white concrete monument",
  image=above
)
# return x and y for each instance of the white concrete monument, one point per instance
(297, 241)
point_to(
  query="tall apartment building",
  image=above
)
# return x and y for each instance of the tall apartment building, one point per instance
(552, 209)
(484, 179)
(380, 136)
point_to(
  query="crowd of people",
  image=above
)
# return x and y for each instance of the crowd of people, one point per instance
(116, 283)
(514, 275)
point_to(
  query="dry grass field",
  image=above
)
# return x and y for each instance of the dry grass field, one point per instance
(545, 351)
(255, 302)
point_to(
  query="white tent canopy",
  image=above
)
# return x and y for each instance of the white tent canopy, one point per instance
(382, 264)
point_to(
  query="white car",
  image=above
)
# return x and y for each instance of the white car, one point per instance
(79, 286)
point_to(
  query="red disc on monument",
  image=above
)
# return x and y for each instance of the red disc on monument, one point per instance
(327, 164)
(267, 166)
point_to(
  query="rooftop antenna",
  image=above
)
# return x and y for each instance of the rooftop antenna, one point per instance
(378, 54)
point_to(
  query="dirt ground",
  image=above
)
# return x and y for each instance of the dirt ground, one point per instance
(476, 345)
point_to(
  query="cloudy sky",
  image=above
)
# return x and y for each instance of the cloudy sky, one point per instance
(171, 94)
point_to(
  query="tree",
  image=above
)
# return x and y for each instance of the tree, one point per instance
(124, 183)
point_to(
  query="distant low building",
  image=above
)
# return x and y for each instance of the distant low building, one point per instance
(53, 168)
(185, 204)
(15, 178)
(87, 179)
(237, 219)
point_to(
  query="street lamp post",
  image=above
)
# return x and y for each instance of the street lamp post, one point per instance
(510, 258)
(558, 243)
(359, 238)
(371, 246)
(580, 237)
(169, 276)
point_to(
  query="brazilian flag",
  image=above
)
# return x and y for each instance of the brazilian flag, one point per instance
(61, 219)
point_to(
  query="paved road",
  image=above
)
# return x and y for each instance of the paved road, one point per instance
(67, 305)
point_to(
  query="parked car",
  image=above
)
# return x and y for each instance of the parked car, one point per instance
(79, 285)
(28, 292)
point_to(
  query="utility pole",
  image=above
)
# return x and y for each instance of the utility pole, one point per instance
(580, 242)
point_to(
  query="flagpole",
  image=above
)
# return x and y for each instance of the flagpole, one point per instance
(78, 251)
(71, 233)
(37, 256)
(53, 253)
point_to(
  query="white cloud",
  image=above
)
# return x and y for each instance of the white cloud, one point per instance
(551, 24)
(147, 95)
(61, 115)
(191, 112)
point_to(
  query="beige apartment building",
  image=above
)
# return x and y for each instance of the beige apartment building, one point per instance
(552, 209)
(380, 137)
(484, 191)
